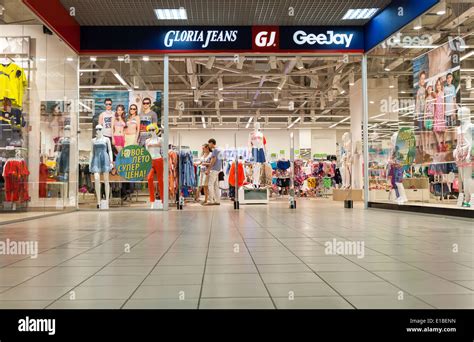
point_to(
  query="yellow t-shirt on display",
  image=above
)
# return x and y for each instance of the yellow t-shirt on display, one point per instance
(12, 83)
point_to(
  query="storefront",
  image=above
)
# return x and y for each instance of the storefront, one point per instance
(305, 97)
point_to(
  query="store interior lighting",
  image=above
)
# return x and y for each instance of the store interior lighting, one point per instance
(249, 122)
(171, 14)
(359, 13)
(282, 83)
(294, 122)
(418, 24)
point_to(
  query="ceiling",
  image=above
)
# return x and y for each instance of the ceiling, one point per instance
(219, 12)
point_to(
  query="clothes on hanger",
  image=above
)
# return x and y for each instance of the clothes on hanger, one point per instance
(12, 83)
(15, 173)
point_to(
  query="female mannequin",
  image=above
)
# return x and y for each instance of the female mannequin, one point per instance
(346, 160)
(153, 145)
(396, 171)
(101, 163)
(133, 126)
(257, 149)
(462, 155)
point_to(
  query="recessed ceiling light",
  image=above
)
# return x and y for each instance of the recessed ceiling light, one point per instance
(171, 14)
(120, 58)
(93, 59)
(146, 58)
(359, 13)
(441, 8)
(70, 59)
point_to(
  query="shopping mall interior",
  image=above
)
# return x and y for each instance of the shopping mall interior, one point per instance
(227, 171)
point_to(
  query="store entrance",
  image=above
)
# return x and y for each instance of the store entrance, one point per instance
(278, 120)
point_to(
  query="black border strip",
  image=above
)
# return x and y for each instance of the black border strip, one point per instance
(425, 209)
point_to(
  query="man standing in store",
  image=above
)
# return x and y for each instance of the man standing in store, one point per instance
(213, 170)
(147, 117)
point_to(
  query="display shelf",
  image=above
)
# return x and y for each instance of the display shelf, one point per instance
(254, 196)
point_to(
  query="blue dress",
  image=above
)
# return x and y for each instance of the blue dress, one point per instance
(100, 162)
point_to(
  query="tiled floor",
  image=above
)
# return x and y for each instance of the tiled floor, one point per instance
(259, 257)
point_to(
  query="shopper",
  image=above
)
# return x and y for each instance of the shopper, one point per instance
(215, 167)
(119, 128)
(132, 128)
(203, 181)
(147, 117)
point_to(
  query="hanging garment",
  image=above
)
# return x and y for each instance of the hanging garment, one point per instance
(63, 158)
(100, 162)
(258, 155)
(16, 180)
(266, 175)
(172, 173)
(240, 175)
(43, 179)
(187, 175)
(283, 164)
(12, 83)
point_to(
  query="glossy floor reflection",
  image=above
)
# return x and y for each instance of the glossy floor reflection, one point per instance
(261, 257)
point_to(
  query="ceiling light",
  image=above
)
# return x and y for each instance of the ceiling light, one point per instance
(121, 80)
(387, 69)
(210, 62)
(93, 59)
(203, 122)
(391, 82)
(248, 123)
(299, 63)
(193, 82)
(337, 123)
(70, 59)
(120, 58)
(351, 78)
(219, 96)
(282, 83)
(275, 96)
(273, 62)
(371, 102)
(417, 25)
(467, 55)
(294, 122)
(171, 14)
(146, 58)
(441, 10)
(359, 13)
(220, 84)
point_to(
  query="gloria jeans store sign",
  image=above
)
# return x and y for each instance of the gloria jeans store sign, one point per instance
(221, 39)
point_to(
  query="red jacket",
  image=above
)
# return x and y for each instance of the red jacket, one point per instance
(240, 174)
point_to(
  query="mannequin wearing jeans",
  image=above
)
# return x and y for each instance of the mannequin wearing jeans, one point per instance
(153, 145)
(463, 157)
(101, 162)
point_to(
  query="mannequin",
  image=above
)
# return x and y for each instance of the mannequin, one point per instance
(463, 157)
(396, 172)
(153, 145)
(63, 156)
(357, 166)
(257, 144)
(101, 160)
(346, 160)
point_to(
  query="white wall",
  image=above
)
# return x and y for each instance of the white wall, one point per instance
(52, 78)
(276, 139)
(323, 141)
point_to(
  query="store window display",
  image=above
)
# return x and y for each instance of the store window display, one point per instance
(119, 128)
(132, 129)
(147, 117)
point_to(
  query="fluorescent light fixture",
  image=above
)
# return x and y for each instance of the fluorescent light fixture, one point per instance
(337, 123)
(467, 55)
(359, 13)
(120, 58)
(441, 8)
(299, 63)
(219, 96)
(99, 87)
(371, 102)
(193, 82)
(420, 46)
(282, 83)
(85, 107)
(418, 24)
(220, 84)
(203, 122)
(210, 62)
(121, 80)
(171, 14)
(89, 70)
(146, 58)
(294, 122)
(248, 123)
(70, 59)
(275, 96)
(93, 59)
(387, 69)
